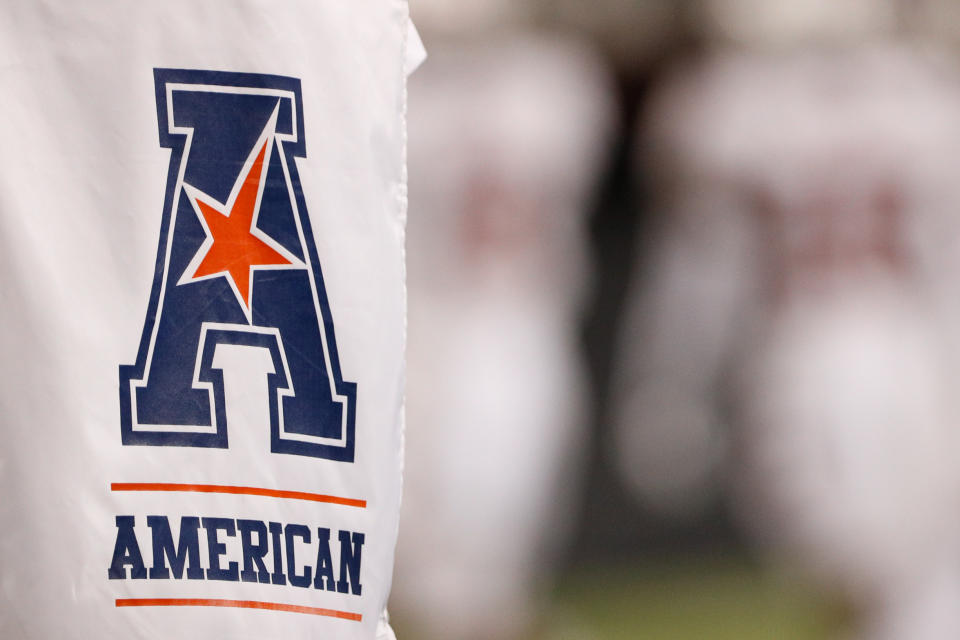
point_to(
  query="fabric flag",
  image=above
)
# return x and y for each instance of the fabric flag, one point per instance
(202, 316)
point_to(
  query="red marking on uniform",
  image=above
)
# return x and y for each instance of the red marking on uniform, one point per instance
(232, 490)
(240, 604)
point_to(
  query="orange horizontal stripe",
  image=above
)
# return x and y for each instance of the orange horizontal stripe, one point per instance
(248, 491)
(240, 604)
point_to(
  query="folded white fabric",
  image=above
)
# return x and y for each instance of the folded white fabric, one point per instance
(202, 316)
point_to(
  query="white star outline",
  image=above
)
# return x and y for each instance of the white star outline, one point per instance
(194, 195)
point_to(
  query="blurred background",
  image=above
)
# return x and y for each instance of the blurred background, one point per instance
(684, 325)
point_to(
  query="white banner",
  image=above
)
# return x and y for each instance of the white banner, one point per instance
(202, 313)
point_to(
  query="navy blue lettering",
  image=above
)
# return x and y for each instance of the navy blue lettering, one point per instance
(187, 551)
(253, 553)
(350, 563)
(276, 529)
(216, 549)
(292, 531)
(248, 116)
(324, 571)
(126, 551)
(179, 556)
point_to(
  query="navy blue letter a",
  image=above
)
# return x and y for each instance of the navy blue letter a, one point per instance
(237, 265)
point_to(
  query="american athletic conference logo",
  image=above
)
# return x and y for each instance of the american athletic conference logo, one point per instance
(236, 264)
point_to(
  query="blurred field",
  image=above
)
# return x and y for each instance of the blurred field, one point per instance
(687, 599)
(732, 282)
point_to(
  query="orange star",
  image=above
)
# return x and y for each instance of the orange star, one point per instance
(234, 245)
